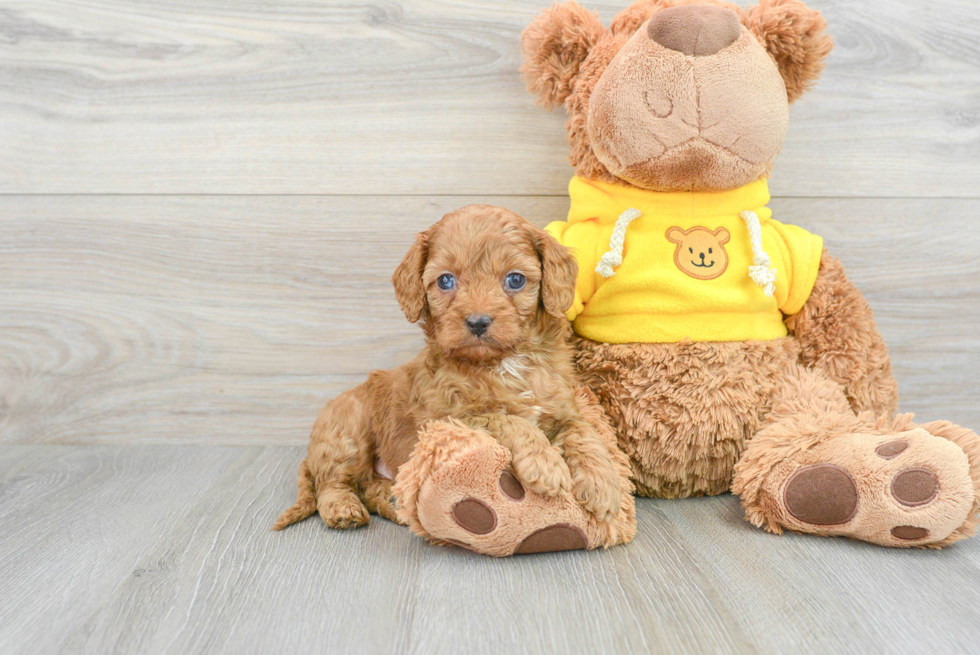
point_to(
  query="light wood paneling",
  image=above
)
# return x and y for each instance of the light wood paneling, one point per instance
(230, 320)
(167, 549)
(424, 97)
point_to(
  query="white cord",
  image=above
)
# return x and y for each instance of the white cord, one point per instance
(761, 273)
(615, 255)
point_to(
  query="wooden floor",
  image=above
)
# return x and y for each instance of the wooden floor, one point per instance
(201, 204)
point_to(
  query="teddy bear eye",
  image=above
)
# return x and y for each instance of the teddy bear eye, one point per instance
(446, 282)
(710, 251)
(692, 250)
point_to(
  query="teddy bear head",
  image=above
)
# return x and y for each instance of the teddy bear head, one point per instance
(676, 94)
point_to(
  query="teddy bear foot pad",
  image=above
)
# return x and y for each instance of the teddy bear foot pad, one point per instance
(478, 518)
(459, 489)
(901, 489)
(475, 501)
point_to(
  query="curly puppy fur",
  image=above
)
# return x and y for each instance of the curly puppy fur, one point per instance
(519, 366)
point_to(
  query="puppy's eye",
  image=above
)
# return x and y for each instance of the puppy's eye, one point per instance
(446, 282)
(515, 281)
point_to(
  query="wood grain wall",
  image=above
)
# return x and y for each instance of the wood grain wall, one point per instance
(201, 202)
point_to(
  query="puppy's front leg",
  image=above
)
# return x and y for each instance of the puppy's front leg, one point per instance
(537, 463)
(595, 483)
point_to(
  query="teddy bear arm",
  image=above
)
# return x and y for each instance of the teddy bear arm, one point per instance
(837, 334)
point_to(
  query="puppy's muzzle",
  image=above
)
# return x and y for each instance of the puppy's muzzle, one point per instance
(478, 324)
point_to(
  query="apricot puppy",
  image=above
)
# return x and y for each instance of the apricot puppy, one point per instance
(490, 291)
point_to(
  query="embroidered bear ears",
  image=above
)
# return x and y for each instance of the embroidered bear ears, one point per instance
(561, 39)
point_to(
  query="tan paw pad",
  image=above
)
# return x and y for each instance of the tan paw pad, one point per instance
(915, 487)
(511, 486)
(892, 449)
(554, 538)
(474, 516)
(909, 533)
(823, 494)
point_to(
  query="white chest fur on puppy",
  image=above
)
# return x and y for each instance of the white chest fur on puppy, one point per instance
(512, 369)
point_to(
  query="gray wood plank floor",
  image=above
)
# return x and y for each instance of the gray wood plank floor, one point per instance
(201, 204)
(167, 549)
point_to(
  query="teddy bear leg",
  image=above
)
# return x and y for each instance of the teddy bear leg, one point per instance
(459, 488)
(818, 468)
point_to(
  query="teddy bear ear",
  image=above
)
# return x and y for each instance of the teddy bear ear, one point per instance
(676, 235)
(555, 44)
(793, 34)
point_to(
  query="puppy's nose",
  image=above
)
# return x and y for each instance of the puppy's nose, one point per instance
(478, 323)
(695, 30)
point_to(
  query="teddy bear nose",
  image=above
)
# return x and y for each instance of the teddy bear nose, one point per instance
(695, 30)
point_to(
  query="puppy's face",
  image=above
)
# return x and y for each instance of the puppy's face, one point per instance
(478, 278)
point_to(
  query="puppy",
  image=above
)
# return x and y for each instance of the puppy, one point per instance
(490, 291)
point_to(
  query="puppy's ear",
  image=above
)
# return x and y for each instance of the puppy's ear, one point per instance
(793, 35)
(555, 44)
(559, 274)
(407, 279)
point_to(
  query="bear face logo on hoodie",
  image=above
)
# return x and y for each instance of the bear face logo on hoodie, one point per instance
(700, 252)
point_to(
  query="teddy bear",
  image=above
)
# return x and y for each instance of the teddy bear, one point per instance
(729, 349)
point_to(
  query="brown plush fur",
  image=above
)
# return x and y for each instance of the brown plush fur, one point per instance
(553, 55)
(968, 441)
(837, 335)
(684, 412)
(460, 374)
(793, 35)
(702, 418)
(715, 116)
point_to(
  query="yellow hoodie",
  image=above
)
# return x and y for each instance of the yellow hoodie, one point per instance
(688, 268)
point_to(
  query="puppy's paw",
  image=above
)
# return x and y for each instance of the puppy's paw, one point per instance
(344, 513)
(389, 510)
(598, 491)
(543, 471)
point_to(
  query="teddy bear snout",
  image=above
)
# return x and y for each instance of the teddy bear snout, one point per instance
(695, 30)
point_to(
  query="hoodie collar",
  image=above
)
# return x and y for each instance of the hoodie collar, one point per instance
(605, 201)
